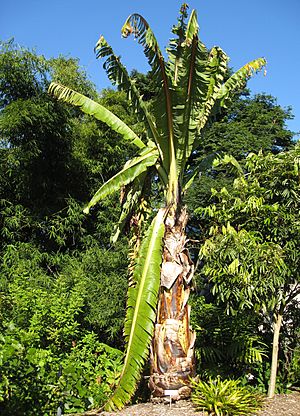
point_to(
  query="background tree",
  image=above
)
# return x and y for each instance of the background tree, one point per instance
(249, 124)
(252, 124)
(251, 257)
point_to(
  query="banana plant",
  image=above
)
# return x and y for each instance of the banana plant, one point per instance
(193, 85)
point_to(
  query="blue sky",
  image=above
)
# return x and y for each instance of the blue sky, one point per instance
(244, 29)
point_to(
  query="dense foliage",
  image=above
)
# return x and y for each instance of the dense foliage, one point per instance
(250, 250)
(62, 288)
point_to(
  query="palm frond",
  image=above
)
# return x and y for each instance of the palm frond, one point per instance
(247, 348)
(95, 109)
(132, 169)
(141, 312)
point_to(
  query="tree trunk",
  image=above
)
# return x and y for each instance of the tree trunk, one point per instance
(274, 364)
(172, 350)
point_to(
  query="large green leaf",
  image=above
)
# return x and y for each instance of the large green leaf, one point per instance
(207, 70)
(118, 75)
(216, 68)
(190, 90)
(198, 75)
(239, 79)
(141, 312)
(192, 28)
(139, 27)
(95, 109)
(132, 169)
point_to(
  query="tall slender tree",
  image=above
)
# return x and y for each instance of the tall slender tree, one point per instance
(250, 257)
(192, 88)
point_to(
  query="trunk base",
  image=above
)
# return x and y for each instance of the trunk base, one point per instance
(172, 350)
(159, 382)
(173, 362)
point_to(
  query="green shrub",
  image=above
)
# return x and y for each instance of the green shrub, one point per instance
(226, 345)
(224, 397)
(294, 369)
(36, 381)
(88, 375)
(54, 311)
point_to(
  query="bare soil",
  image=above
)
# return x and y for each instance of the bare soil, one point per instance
(281, 405)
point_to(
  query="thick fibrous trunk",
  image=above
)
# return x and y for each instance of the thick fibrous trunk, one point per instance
(172, 350)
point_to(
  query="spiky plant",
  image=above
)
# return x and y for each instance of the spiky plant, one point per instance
(225, 397)
(193, 87)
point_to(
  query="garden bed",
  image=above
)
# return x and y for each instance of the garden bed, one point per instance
(281, 405)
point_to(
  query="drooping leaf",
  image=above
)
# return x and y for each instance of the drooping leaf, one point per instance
(141, 312)
(131, 201)
(137, 26)
(239, 79)
(132, 169)
(95, 109)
